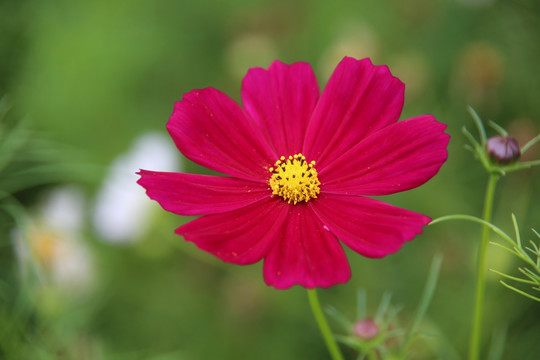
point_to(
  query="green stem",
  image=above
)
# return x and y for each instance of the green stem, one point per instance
(323, 325)
(476, 329)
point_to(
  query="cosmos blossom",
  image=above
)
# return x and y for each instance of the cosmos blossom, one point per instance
(299, 166)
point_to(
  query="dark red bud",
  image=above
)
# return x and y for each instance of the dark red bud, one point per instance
(503, 149)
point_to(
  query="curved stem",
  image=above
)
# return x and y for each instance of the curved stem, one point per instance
(476, 329)
(323, 325)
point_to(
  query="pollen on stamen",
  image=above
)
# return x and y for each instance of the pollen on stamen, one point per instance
(294, 179)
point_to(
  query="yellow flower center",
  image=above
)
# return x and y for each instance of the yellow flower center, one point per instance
(294, 179)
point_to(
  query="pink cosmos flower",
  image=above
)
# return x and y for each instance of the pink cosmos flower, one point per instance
(300, 165)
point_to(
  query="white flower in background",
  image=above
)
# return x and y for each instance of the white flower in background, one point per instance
(51, 247)
(63, 208)
(122, 210)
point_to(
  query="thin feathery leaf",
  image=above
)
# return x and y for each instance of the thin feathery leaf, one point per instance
(15, 139)
(347, 340)
(532, 251)
(497, 344)
(519, 291)
(470, 137)
(479, 124)
(525, 257)
(523, 254)
(498, 128)
(427, 295)
(523, 165)
(393, 312)
(516, 230)
(529, 282)
(505, 248)
(530, 274)
(361, 304)
(530, 143)
(468, 147)
(342, 320)
(535, 247)
(383, 306)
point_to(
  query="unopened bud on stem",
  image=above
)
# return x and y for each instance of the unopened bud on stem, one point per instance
(503, 149)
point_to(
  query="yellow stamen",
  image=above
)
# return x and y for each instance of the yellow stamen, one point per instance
(294, 179)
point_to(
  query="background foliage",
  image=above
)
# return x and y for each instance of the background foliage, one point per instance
(82, 80)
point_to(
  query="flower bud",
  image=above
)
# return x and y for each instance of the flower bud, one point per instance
(503, 149)
(366, 329)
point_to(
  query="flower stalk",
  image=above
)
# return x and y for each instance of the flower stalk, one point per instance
(331, 343)
(476, 326)
(499, 155)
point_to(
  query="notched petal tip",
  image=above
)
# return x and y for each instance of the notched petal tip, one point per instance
(351, 64)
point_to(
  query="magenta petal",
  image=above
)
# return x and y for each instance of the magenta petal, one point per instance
(214, 131)
(281, 100)
(399, 157)
(189, 194)
(368, 226)
(307, 254)
(242, 236)
(359, 98)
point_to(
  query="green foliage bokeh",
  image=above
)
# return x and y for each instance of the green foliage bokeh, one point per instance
(91, 76)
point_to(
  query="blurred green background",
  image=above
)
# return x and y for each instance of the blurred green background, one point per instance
(81, 81)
